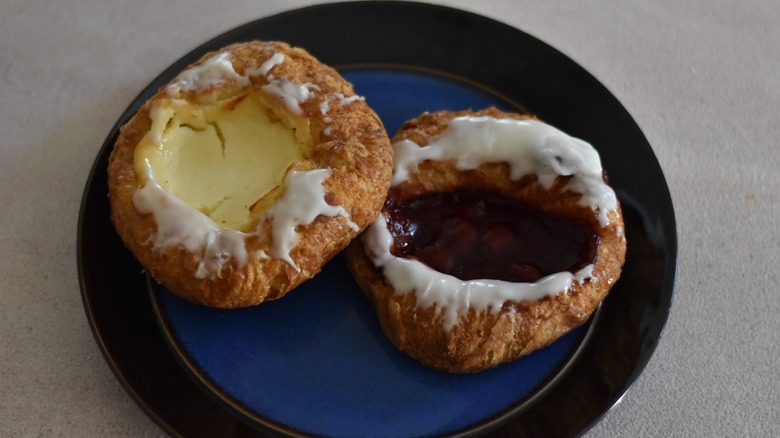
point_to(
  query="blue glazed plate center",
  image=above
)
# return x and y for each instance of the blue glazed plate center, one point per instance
(316, 361)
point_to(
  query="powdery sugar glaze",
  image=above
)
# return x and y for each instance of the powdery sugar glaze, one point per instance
(530, 147)
(213, 71)
(179, 224)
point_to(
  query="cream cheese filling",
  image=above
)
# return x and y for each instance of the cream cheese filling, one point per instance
(219, 158)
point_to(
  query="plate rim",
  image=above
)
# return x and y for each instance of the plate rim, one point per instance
(670, 246)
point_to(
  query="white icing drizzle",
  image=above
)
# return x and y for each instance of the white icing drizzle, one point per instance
(263, 70)
(342, 100)
(302, 202)
(347, 100)
(291, 94)
(529, 147)
(179, 224)
(213, 71)
(219, 69)
(325, 108)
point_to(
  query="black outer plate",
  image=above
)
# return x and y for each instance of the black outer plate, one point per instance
(503, 59)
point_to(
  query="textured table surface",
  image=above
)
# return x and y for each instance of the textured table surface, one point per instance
(701, 78)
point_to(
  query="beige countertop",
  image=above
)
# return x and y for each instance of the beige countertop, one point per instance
(701, 79)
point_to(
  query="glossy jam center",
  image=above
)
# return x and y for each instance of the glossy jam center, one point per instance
(474, 234)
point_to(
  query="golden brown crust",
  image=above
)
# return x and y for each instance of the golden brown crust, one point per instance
(351, 142)
(482, 339)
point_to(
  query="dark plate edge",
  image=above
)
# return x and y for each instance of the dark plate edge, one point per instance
(671, 248)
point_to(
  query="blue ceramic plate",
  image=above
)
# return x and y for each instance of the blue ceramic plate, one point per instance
(315, 362)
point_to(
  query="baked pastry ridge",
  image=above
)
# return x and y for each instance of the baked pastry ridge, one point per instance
(244, 175)
(469, 325)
